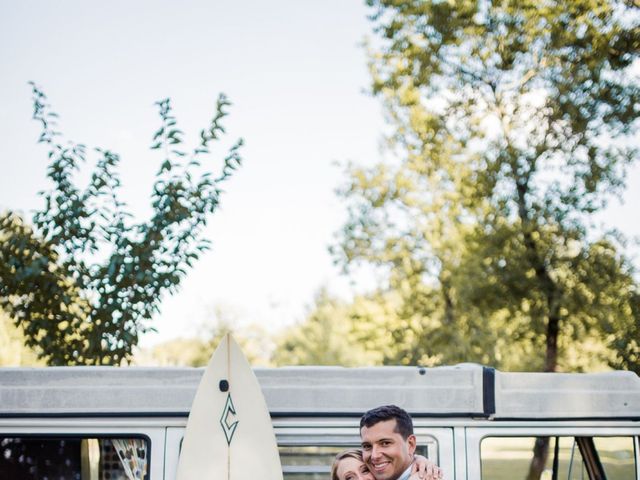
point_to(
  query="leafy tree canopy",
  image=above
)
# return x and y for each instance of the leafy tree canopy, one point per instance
(14, 353)
(328, 336)
(513, 123)
(84, 279)
(196, 351)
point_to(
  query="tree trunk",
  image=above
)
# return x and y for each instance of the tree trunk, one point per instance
(553, 295)
(553, 330)
(539, 460)
(541, 447)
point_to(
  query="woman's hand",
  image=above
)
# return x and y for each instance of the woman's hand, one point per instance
(425, 469)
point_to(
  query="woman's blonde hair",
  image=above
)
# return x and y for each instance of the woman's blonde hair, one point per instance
(351, 453)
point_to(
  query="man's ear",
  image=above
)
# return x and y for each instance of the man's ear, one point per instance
(412, 442)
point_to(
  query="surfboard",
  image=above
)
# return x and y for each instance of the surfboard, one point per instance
(229, 435)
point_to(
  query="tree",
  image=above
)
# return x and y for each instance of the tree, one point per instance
(184, 352)
(13, 352)
(84, 281)
(196, 351)
(514, 122)
(368, 330)
(514, 125)
(328, 336)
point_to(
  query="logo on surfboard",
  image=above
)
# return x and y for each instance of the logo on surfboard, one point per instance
(228, 414)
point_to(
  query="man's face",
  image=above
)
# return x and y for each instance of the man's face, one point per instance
(385, 451)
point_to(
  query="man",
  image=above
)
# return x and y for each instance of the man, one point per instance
(388, 444)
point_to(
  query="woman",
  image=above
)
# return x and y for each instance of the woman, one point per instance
(349, 465)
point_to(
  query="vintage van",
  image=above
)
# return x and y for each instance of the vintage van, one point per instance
(91, 423)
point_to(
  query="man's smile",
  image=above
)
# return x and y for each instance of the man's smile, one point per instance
(379, 466)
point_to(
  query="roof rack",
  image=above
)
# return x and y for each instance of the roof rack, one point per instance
(465, 390)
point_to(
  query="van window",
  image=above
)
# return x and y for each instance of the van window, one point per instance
(313, 462)
(73, 458)
(509, 458)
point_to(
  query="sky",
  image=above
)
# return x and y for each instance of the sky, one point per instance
(295, 71)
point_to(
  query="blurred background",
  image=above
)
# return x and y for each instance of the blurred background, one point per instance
(422, 183)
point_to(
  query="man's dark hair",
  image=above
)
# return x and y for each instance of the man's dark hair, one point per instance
(404, 424)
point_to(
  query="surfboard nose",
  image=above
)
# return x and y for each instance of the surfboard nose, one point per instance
(229, 435)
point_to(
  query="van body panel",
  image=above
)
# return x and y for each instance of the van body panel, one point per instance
(316, 410)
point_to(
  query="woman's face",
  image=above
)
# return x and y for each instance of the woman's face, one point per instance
(350, 468)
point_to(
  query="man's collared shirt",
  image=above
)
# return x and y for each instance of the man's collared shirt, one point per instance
(406, 474)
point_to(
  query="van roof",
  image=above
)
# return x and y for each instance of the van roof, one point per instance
(466, 390)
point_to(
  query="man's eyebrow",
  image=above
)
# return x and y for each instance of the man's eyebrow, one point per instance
(378, 440)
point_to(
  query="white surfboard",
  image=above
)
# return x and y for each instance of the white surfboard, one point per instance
(229, 435)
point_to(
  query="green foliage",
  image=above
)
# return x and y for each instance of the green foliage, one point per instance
(85, 280)
(196, 351)
(256, 344)
(185, 352)
(514, 123)
(328, 336)
(13, 352)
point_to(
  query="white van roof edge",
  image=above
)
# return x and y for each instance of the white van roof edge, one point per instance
(466, 390)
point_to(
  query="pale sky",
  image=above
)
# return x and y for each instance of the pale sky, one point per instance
(295, 71)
